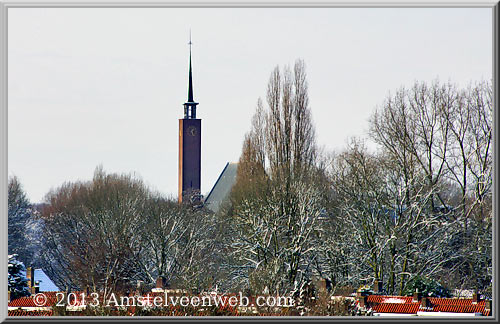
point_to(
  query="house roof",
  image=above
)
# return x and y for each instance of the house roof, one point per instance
(51, 298)
(45, 283)
(49, 301)
(461, 309)
(396, 308)
(27, 302)
(389, 299)
(406, 305)
(20, 312)
(455, 301)
(222, 187)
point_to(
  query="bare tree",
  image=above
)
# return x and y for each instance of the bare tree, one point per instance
(109, 233)
(437, 134)
(178, 243)
(290, 135)
(274, 238)
(270, 216)
(379, 234)
(93, 229)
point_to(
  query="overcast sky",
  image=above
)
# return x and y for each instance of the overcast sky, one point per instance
(106, 85)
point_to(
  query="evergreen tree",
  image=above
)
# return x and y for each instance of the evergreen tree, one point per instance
(18, 282)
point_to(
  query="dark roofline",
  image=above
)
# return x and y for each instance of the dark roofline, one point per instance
(216, 182)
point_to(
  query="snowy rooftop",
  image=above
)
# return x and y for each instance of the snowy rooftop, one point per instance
(44, 281)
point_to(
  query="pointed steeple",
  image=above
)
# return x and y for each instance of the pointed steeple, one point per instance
(190, 90)
(190, 105)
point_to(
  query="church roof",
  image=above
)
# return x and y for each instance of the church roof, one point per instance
(222, 187)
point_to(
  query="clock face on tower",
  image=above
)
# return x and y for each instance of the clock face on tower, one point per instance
(191, 130)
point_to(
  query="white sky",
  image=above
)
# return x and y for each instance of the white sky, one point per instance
(90, 86)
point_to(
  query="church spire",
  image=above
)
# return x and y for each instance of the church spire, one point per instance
(190, 90)
(190, 105)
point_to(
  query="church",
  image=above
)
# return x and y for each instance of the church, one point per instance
(190, 157)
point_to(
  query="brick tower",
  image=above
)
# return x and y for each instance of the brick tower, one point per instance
(189, 145)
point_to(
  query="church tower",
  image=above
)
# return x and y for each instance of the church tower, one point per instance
(189, 144)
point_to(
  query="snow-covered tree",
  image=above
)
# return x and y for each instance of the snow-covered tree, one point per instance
(18, 282)
(384, 227)
(22, 223)
(279, 193)
(436, 140)
(274, 239)
(178, 243)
